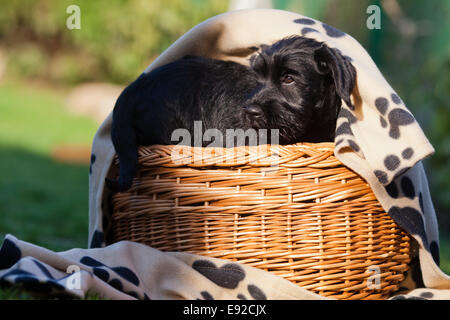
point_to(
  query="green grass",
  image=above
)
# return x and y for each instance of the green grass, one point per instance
(18, 293)
(445, 253)
(41, 201)
(35, 120)
(14, 294)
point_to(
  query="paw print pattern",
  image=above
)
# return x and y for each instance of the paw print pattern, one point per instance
(395, 118)
(102, 272)
(227, 276)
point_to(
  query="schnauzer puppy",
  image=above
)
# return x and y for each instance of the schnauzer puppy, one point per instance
(295, 85)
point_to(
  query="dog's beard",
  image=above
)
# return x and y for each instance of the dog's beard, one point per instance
(288, 133)
(257, 123)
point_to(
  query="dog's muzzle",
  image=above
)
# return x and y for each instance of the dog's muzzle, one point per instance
(255, 116)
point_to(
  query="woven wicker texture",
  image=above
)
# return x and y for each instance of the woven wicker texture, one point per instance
(294, 210)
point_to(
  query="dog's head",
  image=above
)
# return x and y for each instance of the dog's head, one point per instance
(301, 84)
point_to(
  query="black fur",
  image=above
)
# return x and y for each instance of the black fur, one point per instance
(295, 85)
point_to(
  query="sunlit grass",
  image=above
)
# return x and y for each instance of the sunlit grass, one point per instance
(36, 120)
(41, 201)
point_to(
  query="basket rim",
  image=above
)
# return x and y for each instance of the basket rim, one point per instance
(263, 156)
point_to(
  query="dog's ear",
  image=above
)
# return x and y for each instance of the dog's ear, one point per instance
(344, 74)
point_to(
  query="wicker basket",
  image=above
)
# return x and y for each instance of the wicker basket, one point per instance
(294, 210)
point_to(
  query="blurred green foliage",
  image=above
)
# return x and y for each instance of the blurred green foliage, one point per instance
(116, 41)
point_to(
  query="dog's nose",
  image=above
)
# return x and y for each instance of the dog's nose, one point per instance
(254, 111)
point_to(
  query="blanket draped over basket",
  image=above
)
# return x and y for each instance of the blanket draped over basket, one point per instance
(379, 139)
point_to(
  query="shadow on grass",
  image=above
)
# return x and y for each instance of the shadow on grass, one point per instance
(42, 201)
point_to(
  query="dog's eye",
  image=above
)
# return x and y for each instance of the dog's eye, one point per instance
(287, 79)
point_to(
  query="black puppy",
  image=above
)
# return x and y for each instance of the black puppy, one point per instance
(295, 85)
